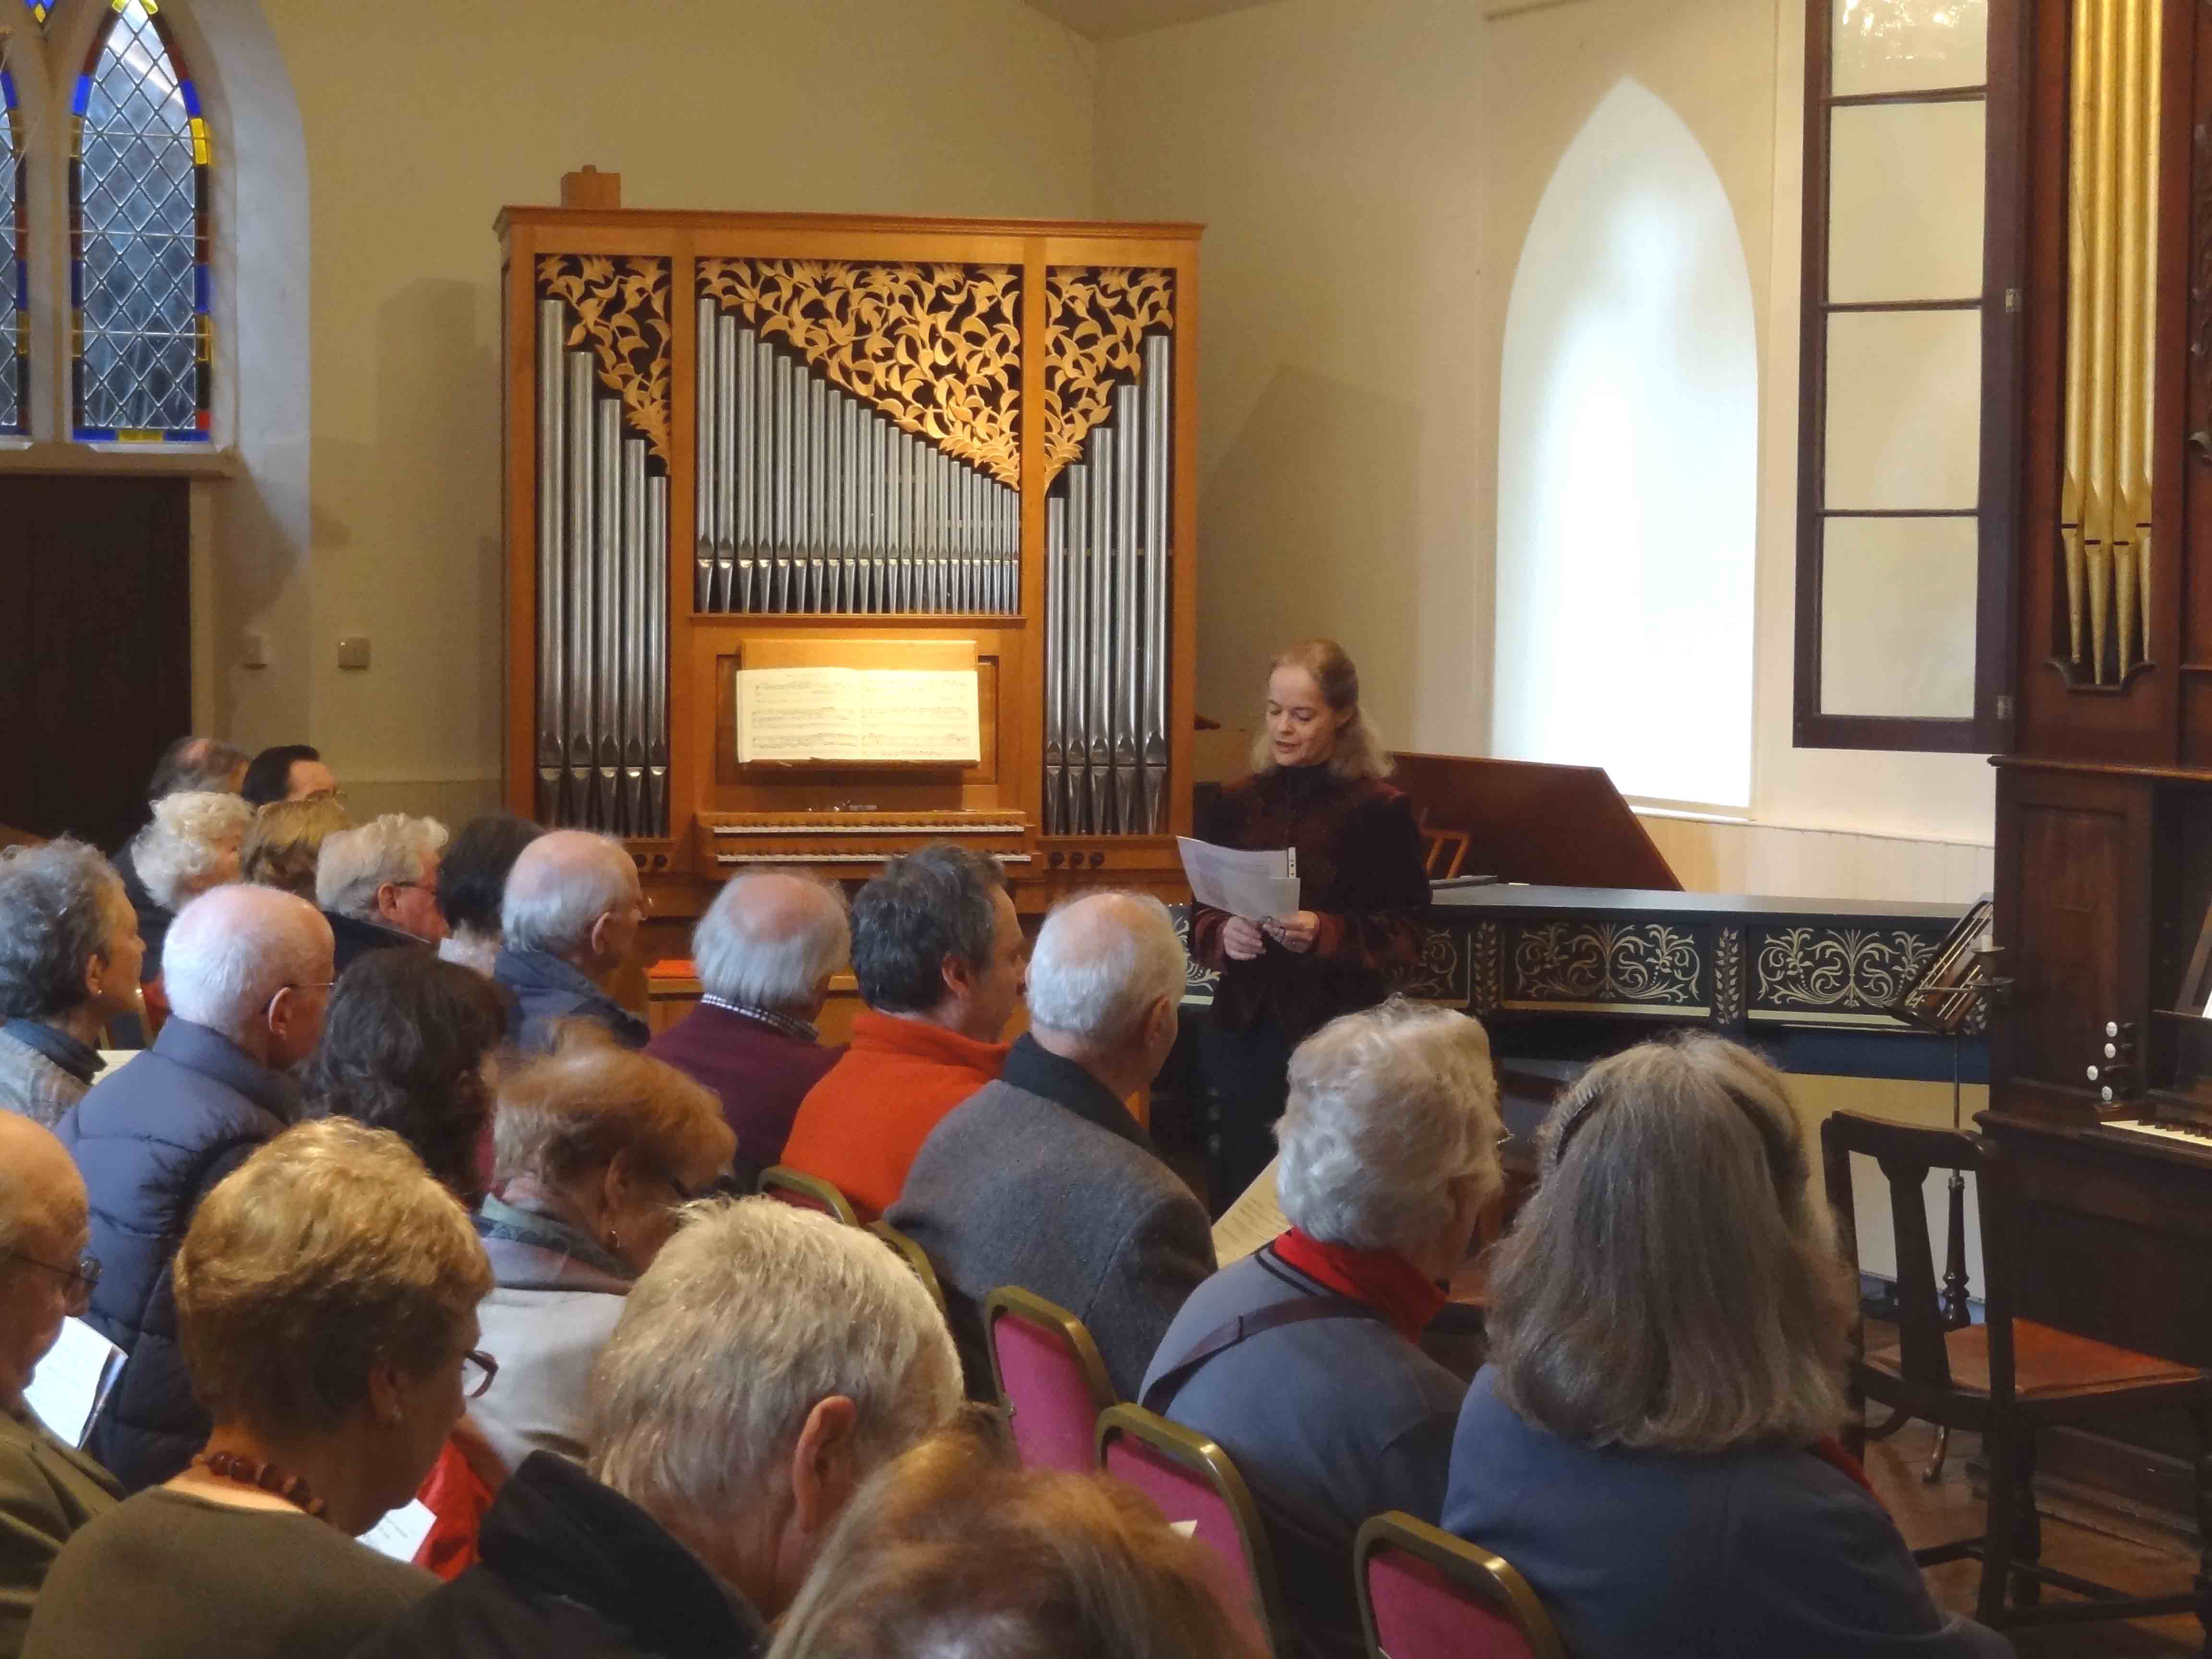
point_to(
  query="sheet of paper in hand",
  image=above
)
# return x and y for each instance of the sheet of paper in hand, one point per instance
(1257, 886)
(72, 1380)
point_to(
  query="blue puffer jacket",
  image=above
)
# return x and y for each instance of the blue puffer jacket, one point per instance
(150, 1140)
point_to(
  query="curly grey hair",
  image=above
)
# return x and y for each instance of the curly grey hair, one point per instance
(354, 864)
(61, 905)
(179, 853)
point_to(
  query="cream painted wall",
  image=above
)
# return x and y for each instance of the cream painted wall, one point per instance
(422, 119)
(1367, 175)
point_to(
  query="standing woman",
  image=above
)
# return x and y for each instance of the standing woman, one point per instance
(1315, 787)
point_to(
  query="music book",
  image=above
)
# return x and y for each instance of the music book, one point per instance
(859, 716)
(71, 1383)
(1257, 886)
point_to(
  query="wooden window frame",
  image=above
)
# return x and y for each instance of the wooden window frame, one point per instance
(2002, 309)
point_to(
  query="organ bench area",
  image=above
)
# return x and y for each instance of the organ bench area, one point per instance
(740, 441)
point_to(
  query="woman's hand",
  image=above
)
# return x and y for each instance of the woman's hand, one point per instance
(1298, 933)
(1242, 940)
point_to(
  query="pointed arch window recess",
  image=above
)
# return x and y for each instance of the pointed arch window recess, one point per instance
(15, 280)
(139, 237)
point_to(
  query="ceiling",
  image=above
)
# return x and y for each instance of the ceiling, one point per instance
(1110, 20)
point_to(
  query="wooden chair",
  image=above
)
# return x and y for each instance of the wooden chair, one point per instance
(1202, 1495)
(1426, 1594)
(915, 1257)
(1050, 1376)
(1444, 852)
(2007, 1379)
(803, 1191)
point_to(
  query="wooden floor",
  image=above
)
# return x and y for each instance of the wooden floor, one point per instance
(2141, 1564)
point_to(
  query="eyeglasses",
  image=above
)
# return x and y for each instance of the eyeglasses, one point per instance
(478, 1370)
(82, 1277)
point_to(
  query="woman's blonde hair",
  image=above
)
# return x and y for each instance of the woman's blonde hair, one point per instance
(568, 1114)
(955, 1548)
(1358, 752)
(1674, 1285)
(285, 841)
(328, 1253)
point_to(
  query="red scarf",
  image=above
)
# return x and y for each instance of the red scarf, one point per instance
(1384, 1280)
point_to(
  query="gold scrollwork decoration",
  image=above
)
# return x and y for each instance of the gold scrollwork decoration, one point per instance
(1605, 962)
(1484, 971)
(1848, 969)
(936, 347)
(1096, 320)
(621, 307)
(1436, 976)
(1727, 976)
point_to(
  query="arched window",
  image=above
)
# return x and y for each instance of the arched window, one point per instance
(138, 221)
(15, 277)
(1628, 480)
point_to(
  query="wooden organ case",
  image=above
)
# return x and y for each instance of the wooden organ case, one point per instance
(746, 439)
(2101, 1095)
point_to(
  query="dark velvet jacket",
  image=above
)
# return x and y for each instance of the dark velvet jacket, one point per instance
(1360, 869)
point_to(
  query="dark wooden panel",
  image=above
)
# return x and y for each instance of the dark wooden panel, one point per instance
(2068, 972)
(1563, 826)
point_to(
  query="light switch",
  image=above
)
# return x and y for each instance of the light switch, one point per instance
(253, 650)
(353, 651)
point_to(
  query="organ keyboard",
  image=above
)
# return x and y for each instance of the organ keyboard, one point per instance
(853, 840)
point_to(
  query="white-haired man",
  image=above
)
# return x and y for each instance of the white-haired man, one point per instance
(764, 952)
(248, 971)
(765, 1365)
(1043, 1179)
(378, 885)
(573, 908)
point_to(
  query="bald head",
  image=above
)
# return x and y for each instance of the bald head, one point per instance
(771, 940)
(232, 950)
(574, 895)
(1102, 963)
(42, 1229)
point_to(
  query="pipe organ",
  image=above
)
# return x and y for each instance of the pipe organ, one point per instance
(736, 439)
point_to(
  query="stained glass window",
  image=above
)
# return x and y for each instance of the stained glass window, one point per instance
(139, 205)
(14, 326)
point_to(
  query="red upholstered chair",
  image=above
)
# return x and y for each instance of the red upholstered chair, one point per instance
(805, 1192)
(1426, 1594)
(1050, 1377)
(915, 1257)
(1202, 1494)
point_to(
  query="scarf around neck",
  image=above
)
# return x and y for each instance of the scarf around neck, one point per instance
(1384, 1280)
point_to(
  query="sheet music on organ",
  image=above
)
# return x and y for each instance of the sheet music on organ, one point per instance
(858, 716)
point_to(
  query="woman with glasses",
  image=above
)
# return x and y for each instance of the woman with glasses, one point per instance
(1303, 1359)
(326, 1296)
(48, 1490)
(595, 1147)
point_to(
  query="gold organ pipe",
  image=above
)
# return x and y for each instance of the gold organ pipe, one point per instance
(2147, 288)
(2077, 318)
(2097, 501)
(2122, 497)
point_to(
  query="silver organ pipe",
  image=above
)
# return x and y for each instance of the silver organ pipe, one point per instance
(706, 446)
(602, 564)
(1125, 643)
(1158, 350)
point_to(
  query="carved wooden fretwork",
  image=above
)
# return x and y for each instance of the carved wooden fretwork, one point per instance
(621, 307)
(937, 348)
(1096, 320)
(1843, 969)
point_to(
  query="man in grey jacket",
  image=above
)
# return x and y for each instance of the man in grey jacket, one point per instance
(1043, 1179)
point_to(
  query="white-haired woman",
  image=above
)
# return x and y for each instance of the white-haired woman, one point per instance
(1652, 1442)
(1315, 787)
(325, 1299)
(191, 844)
(69, 965)
(1302, 1360)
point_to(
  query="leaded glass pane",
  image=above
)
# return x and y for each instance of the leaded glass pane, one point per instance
(138, 212)
(11, 251)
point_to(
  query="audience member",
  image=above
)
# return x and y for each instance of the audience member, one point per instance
(573, 908)
(378, 885)
(1043, 1179)
(68, 964)
(290, 771)
(47, 1489)
(191, 846)
(406, 1046)
(1650, 1443)
(285, 841)
(955, 1549)
(597, 1147)
(472, 885)
(249, 975)
(1301, 1359)
(768, 1363)
(188, 765)
(937, 949)
(325, 1300)
(764, 952)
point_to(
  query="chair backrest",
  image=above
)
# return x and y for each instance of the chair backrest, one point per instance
(1050, 1376)
(1905, 1155)
(1444, 852)
(806, 1191)
(915, 1257)
(1426, 1594)
(1202, 1494)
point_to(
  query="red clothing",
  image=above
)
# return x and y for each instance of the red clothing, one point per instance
(1384, 1280)
(860, 1127)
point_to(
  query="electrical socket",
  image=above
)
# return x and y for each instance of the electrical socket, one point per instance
(353, 651)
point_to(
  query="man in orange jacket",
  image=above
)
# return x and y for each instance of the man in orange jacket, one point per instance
(938, 954)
